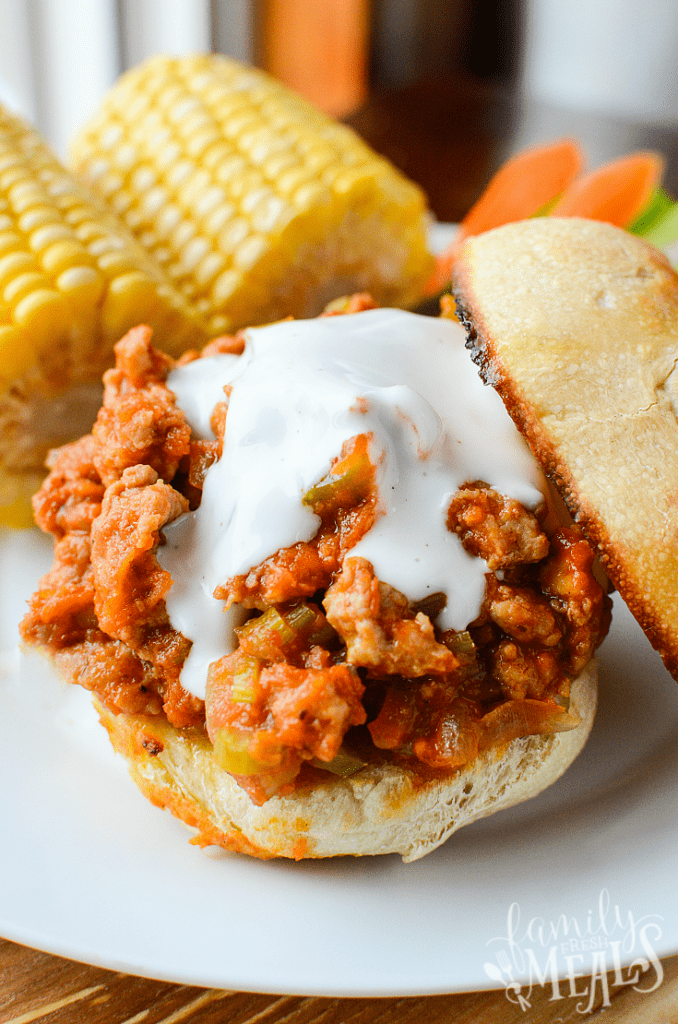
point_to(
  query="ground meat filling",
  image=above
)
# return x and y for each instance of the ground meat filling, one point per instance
(331, 660)
(100, 610)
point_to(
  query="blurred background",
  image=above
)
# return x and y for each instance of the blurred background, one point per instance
(446, 88)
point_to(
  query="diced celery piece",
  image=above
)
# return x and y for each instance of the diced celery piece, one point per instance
(301, 618)
(244, 684)
(276, 632)
(230, 751)
(261, 629)
(350, 485)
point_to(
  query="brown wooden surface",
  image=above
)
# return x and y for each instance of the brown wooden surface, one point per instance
(38, 987)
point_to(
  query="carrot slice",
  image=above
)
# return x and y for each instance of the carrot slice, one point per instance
(616, 193)
(523, 186)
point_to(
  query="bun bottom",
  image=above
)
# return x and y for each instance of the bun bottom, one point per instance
(383, 808)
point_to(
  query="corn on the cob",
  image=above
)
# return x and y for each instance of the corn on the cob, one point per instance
(256, 204)
(72, 281)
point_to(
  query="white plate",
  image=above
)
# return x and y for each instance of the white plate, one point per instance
(92, 871)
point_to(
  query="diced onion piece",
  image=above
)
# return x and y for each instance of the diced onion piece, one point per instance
(344, 763)
(516, 718)
(393, 726)
(463, 647)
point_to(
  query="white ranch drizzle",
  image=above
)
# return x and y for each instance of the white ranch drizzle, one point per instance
(301, 389)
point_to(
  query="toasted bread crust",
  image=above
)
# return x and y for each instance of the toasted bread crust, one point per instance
(383, 808)
(575, 323)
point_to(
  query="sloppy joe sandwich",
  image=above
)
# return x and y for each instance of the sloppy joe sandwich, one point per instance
(575, 323)
(316, 586)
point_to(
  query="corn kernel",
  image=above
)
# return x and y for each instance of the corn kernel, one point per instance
(180, 172)
(276, 165)
(218, 324)
(36, 218)
(254, 198)
(48, 234)
(21, 285)
(182, 234)
(208, 268)
(168, 219)
(142, 178)
(211, 197)
(84, 286)
(27, 199)
(10, 242)
(183, 107)
(233, 234)
(77, 214)
(11, 176)
(224, 286)
(231, 168)
(193, 252)
(15, 263)
(126, 157)
(192, 189)
(168, 155)
(153, 202)
(131, 296)
(121, 202)
(99, 167)
(40, 314)
(8, 160)
(116, 262)
(218, 218)
(90, 232)
(312, 195)
(103, 243)
(290, 181)
(239, 187)
(17, 354)
(149, 240)
(195, 125)
(111, 136)
(216, 154)
(110, 183)
(250, 252)
(62, 255)
(270, 215)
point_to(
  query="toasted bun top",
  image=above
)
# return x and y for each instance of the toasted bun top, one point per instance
(575, 323)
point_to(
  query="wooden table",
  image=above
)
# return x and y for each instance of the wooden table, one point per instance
(451, 138)
(37, 987)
